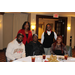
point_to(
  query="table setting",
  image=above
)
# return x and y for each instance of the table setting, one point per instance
(46, 58)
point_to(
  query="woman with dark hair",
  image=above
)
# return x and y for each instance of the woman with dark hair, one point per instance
(47, 39)
(58, 48)
(26, 32)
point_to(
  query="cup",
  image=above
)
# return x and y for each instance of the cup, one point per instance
(65, 56)
(33, 59)
(44, 56)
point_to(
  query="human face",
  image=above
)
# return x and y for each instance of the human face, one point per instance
(35, 38)
(59, 40)
(26, 26)
(48, 27)
(20, 39)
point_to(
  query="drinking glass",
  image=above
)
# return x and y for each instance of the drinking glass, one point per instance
(33, 59)
(65, 56)
(44, 56)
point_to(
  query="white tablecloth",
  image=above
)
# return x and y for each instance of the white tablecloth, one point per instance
(39, 59)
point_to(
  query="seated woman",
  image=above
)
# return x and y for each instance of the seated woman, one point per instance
(58, 48)
(34, 47)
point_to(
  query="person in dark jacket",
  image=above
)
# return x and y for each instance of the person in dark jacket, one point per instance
(34, 47)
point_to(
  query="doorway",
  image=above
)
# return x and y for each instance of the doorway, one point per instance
(60, 25)
(59, 28)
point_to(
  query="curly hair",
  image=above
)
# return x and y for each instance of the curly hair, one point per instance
(62, 45)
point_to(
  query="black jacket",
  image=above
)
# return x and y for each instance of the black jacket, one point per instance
(34, 49)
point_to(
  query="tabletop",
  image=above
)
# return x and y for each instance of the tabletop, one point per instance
(40, 59)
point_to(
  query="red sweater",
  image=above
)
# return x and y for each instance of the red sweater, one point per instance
(25, 38)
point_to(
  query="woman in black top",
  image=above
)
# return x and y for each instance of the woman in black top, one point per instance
(58, 48)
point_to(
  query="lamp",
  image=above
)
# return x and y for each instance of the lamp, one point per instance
(68, 28)
(32, 27)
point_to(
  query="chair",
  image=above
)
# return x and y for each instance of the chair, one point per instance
(5, 53)
(69, 48)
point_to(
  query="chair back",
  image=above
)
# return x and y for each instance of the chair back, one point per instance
(5, 53)
(69, 48)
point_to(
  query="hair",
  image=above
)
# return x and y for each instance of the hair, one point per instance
(20, 34)
(25, 24)
(54, 44)
(35, 35)
(46, 27)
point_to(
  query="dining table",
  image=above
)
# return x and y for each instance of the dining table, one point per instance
(39, 58)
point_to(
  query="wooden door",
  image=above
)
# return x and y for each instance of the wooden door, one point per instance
(60, 28)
